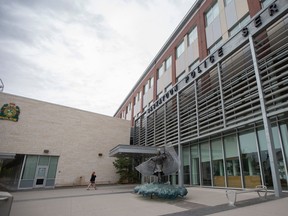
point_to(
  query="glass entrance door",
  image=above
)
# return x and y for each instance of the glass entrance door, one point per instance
(40, 177)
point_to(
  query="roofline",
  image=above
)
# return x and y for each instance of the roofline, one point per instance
(180, 26)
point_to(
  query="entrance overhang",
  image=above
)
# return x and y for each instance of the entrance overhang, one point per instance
(7, 156)
(132, 151)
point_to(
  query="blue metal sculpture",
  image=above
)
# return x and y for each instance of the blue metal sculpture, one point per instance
(165, 191)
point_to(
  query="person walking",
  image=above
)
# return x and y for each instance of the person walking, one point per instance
(92, 181)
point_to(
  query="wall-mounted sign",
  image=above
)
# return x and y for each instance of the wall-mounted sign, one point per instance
(256, 24)
(10, 112)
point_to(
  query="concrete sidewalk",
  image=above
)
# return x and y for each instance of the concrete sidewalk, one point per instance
(120, 200)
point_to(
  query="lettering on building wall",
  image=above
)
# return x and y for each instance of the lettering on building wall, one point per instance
(212, 59)
(163, 98)
(272, 9)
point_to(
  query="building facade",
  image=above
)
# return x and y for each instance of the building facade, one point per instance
(43, 145)
(217, 90)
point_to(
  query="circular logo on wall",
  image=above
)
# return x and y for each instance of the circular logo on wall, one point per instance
(10, 112)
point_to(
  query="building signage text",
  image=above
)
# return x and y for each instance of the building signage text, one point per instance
(213, 58)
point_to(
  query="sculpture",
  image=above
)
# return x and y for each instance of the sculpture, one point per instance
(164, 163)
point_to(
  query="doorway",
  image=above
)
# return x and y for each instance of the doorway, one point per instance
(40, 176)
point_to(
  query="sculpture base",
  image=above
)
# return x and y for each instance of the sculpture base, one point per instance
(165, 191)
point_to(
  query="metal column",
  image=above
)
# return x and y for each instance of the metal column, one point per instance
(180, 151)
(267, 125)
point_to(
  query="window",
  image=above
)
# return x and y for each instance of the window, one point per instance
(239, 25)
(180, 49)
(212, 14)
(214, 47)
(227, 2)
(168, 63)
(160, 95)
(138, 96)
(192, 36)
(192, 66)
(266, 2)
(160, 71)
(232, 161)
(146, 88)
(135, 100)
(151, 82)
(181, 76)
(168, 88)
(129, 106)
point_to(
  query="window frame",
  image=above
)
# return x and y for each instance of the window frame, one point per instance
(180, 49)
(211, 14)
(192, 35)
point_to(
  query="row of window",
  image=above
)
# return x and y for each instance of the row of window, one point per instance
(192, 37)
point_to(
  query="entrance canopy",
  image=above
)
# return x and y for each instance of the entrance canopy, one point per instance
(132, 150)
(7, 155)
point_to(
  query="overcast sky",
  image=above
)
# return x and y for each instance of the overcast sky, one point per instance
(86, 54)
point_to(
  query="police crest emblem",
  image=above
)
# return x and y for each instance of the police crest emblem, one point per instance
(10, 112)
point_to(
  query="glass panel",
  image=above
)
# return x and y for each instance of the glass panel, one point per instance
(26, 183)
(284, 136)
(52, 167)
(280, 159)
(186, 165)
(168, 63)
(212, 14)
(205, 164)
(41, 172)
(192, 36)
(232, 162)
(40, 181)
(160, 71)
(151, 82)
(10, 170)
(195, 165)
(50, 182)
(43, 160)
(217, 161)
(279, 155)
(266, 2)
(180, 49)
(30, 167)
(250, 160)
(265, 159)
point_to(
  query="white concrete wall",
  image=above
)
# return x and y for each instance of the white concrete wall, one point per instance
(76, 136)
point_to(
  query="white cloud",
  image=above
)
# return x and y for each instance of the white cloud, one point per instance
(84, 54)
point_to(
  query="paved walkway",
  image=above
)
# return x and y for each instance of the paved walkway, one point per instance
(120, 200)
